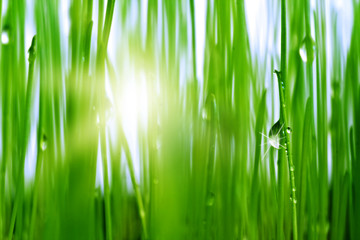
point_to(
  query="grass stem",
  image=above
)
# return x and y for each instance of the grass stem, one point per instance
(26, 129)
(283, 115)
(100, 61)
(134, 183)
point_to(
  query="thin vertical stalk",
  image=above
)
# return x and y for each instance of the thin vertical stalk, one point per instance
(133, 180)
(26, 129)
(36, 187)
(100, 21)
(100, 64)
(193, 43)
(283, 115)
(108, 221)
(322, 126)
(210, 106)
(126, 148)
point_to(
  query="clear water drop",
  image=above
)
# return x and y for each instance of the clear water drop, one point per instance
(292, 168)
(307, 49)
(274, 135)
(43, 142)
(210, 199)
(5, 39)
(289, 130)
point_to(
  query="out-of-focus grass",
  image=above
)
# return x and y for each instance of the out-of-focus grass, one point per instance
(200, 168)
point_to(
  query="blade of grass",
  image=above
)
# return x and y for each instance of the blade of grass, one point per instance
(100, 62)
(305, 159)
(124, 144)
(255, 189)
(210, 106)
(26, 132)
(284, 116)
(322, 128)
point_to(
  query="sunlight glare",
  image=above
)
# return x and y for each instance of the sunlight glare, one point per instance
(133, 104)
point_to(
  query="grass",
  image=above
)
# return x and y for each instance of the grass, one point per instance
(197, 165)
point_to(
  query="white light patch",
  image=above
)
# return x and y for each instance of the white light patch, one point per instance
(133, 104)
(5, 37)
(65, 21)
(200, 26)
(99, 168)
(133, 108)
(133, 16)
(31, 155)
(5, 6)
(31, 152)
(257, 25)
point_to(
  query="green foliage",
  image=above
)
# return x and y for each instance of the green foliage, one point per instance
(201, 168)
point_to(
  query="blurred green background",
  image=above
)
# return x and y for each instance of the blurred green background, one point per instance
(150, 119)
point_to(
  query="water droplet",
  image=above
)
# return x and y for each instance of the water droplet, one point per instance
(289, 130)
(294, 201)
(210, 199)
(274, 135)
(43, 142)
(292, 168)
(5, 39)
(307, 49)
